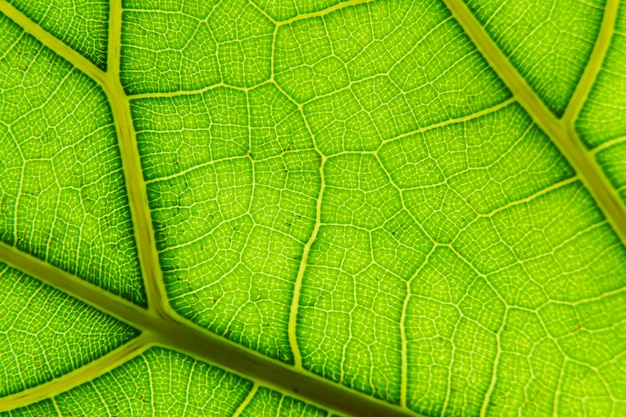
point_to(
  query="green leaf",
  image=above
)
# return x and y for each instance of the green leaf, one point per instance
(312, 208)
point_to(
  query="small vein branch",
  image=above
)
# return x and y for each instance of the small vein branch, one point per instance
(295, 301)
(246, 401)
(77, 377)
(594, 65)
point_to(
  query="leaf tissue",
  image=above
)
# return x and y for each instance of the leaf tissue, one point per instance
(329, 208)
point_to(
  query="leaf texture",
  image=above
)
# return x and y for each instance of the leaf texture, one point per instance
(312, 208)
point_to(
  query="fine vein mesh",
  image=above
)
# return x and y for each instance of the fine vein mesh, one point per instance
(158, 382)
(161, 382)
(62, 192)
(519, 317)
(189, 45)
(232, 181)
(601, 123)
(234, 175)
(383, 215)
(45, 334)
(82, 25)
(457, 264)
(448, 219)
(269, 403)
(548, 41)
(282, 10)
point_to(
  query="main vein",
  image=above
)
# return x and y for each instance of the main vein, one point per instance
(140, 211)
(561, 131)
(183, 336)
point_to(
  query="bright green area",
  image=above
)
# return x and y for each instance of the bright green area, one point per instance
(233, 181)
(413, 69)
(281, 10)
(44, 333)
(612, 161)
(156, 383)
(603, 117)
(63, 194)
(604, 113)
(82, 25)
(160, 382)
(530, 282)
(191, 45)
(448, 259)
(383, 213)
(273, 404)
(549, 41)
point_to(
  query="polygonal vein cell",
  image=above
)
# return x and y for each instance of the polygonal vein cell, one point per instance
(45, 334)
(161, 382)
(82, 25)
(267, 402)
(232, 181)
(445, 211)
(62, 195)
(549, 42)
(188, 45)
(458, 266)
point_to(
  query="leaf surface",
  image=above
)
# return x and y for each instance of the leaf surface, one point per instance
(277, 208)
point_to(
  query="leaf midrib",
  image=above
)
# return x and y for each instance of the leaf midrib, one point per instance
(162, 326)
(560, 130)
(178, 334)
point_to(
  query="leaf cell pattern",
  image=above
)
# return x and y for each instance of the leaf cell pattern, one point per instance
(355, 191)
(46, 333)
(63, 193)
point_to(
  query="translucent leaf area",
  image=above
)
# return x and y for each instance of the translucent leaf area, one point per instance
(63, 194)
(309, 208)
(83, 25)
(46, 333)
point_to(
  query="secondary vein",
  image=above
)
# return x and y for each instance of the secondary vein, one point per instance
(594, 65)
(133, 173)
(559, 130)
(180, 335)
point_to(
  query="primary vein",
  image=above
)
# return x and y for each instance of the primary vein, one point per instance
(175, 333)
(559, 130)
(138, 199)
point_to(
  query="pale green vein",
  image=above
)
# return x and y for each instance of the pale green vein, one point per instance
(323, 12)
(173, 332)
(558, 130)
(594, 65)
(133, 174)
(297, 287)
(73, 379)
(79, 288)
(53, 43)
(246, 401)
(120, 109)
(404, 373)
(484, 409)
(608, 144)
